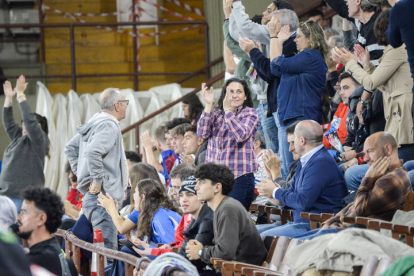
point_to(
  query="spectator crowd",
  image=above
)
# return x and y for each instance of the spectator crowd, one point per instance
(309, 119)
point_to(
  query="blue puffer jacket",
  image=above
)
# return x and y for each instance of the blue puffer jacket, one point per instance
(302, 83)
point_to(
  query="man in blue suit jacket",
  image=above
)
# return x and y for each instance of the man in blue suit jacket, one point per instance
(318, 185)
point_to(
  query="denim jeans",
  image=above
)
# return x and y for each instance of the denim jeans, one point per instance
(316, 233)
(409, 166)
(264, 227)
(406, 152)
(353, 176)
(285, 155)
(243, 190)
(100, 219)
(289, 230)
(268, 128)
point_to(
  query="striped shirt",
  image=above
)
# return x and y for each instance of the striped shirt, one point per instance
(230, 138)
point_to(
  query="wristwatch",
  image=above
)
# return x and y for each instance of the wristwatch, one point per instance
(200, 252)
(364, 103)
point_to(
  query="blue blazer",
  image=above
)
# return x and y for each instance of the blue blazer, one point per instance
(318, 188)
(302, 83)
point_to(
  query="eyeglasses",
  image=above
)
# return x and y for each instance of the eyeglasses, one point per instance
(124, 101)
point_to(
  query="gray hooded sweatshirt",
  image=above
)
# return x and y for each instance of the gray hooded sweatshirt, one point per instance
(96, 154)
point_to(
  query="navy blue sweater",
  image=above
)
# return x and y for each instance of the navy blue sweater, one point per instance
(401, 29)
(262, 66)
(318, 188)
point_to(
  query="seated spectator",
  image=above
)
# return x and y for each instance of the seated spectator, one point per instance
(339, 122)
(8, 213)
(177, 134)
(192, 107)
(259, 147)
(138, 172)
(40, 217)
(363, 14)
(178, 175)
(230, 130)
(200, 228)
(154, 213)
(303, 79)
(132, 158)
(28, 148)
(261, 63)
(193, 145)
(235, 235)
(392, 76)
(318, 185)
(383, 189)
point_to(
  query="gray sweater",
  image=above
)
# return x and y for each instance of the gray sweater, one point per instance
(235, 235)
(24, 158)
(96, 154)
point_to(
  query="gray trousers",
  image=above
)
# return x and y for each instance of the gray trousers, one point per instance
(100, 219)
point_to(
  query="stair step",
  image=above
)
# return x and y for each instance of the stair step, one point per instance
(94, 7)
(52, 18)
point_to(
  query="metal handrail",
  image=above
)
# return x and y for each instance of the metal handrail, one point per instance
(73, 245)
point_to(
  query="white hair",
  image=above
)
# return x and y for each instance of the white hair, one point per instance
(8, 214)
(109, 97)
(288, 17)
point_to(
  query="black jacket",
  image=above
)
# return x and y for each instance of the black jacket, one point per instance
(201, 230)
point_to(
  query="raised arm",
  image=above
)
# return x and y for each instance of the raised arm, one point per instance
(393, 33)
(232, 44)
(247, 27)
(205, 124)
(340, 7)
(13, 130)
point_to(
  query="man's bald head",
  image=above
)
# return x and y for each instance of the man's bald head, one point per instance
(308, 135)
(378, 145)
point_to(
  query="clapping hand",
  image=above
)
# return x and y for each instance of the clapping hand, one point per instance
(362, 55)
(246, 44)
(8, 89)
(186, 158)
(284, 34)
(227, 102)
(341, 55)
(21, 85)
(208, 95)
(147, 141)
(227, 8)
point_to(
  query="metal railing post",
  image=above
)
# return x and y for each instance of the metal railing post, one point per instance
(207, 49)
(42, 34)
(137, 139)
(135, 46)
(72, 56)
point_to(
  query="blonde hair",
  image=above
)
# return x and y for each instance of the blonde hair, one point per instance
(317, 41)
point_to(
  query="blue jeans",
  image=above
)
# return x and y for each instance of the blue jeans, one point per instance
(353, 176)
(18, 203)
(100, 219)
(406, 152)
(243, 190)
(290, 229)
(268, 128)
(264, 227)
(285, 155)
(409, 166)
(316, 233)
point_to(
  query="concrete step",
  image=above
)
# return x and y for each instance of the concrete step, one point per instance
(52, 18)
(76, 6)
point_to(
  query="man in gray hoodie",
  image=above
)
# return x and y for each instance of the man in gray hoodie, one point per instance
(97, 157)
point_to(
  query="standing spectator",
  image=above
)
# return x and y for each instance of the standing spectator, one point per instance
(41, 215)
(28, 148)
(317, 16)
(235, 235)
(401, 27)
(392, 76)
(268, 107)
(192, 107)
(230, 130)
(363, 14)
(97, 157)
(303, 78)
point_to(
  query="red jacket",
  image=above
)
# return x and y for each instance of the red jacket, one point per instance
(179, 238)
(340, 113)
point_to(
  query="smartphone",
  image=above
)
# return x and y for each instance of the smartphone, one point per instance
(129, 244)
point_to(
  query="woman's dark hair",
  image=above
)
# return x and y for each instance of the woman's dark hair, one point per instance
(69, 169)
(155, 198)
(43, 122)
(326, 107)
(194, 105)
(248, 102)
(49, 202)
(138, 172)
(381, 26)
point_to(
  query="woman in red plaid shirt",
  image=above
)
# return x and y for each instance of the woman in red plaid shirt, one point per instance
(230, 128)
